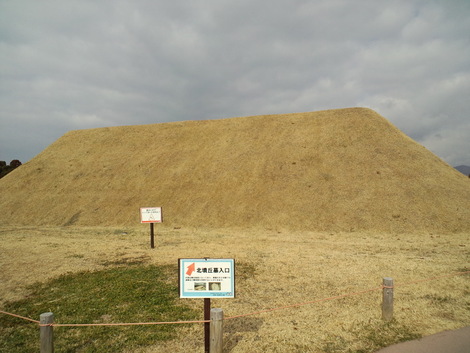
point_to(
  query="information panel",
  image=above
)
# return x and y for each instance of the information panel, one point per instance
(150, 215)
(206, 278)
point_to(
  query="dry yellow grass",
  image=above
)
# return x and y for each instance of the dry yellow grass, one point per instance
(288, 268)
(315, 204)
(335, 170)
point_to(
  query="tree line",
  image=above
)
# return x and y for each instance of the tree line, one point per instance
(7, 168)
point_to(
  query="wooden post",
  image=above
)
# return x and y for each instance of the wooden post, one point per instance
(207, 327)
(217, 320)
(46, 333)
(152, 237)
(387, 302)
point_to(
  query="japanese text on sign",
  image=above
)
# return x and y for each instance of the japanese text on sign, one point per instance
(207, 278)
(150, 215)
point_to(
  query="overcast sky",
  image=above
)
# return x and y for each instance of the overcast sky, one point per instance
(79, 64)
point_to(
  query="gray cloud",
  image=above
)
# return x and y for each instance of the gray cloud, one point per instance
(84, 64)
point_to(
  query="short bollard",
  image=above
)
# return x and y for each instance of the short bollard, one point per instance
(387, 302)
(46, 333)
(216, 333)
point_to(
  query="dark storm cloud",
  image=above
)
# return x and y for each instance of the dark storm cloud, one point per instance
(84, 64)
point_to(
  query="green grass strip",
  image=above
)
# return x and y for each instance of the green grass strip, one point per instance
(137, 293)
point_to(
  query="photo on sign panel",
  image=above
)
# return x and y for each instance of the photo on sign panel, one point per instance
(214, 286)
(200, 286)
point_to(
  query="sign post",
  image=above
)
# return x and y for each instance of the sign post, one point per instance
(207, 325)
(152, 236)
(206, 278)
(151, 215)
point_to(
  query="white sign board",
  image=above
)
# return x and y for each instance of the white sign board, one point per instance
(150, 215)
(206, 278)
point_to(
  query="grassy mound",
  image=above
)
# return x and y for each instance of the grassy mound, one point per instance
(335, 170)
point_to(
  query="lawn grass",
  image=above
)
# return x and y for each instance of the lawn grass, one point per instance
(273, 269)
(135, 293)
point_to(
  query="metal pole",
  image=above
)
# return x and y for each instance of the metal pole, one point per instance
(207, 325)
(152, 237)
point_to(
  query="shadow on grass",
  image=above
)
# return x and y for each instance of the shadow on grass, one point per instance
(371, 336)
(133, 293)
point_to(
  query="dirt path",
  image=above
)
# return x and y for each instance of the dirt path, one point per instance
(457, 341)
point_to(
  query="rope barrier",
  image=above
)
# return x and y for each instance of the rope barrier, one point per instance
(129, 323)
(20, 317)
(306, 303)
(242, 315)
(432, 278)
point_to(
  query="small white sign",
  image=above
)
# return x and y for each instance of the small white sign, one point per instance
(151, 215)
(206, 278)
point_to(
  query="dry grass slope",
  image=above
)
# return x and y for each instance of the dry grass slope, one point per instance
(334, 170)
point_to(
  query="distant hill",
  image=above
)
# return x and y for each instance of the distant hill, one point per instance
(334, 170)
(465, 169)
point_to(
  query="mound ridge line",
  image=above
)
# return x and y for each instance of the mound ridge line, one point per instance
(333, 170)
